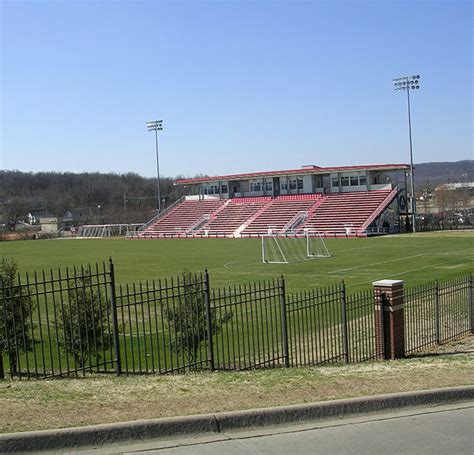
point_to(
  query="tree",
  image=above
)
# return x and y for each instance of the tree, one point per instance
(188, 319)
(15, 210)
(15, 310)
(84, 328)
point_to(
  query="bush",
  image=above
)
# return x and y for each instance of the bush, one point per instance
(15, 310)
(188, 319)
(84, 320)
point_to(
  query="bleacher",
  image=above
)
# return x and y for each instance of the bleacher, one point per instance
(180, 220)
(234, 214)
(281, 212)
(333, 214)
(346, 213)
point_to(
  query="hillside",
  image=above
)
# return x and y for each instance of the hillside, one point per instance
(445, 172)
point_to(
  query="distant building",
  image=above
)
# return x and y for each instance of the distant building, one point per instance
(74, 218)
(457, 186)
(49, 225)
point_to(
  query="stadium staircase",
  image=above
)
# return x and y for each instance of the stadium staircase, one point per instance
(281, 211)
(379, 210)
(349, 214)
(182, 219)
(234, 215)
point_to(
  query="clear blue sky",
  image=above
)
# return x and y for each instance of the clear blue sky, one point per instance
(240, 85)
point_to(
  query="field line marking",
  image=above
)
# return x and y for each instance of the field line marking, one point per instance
(415, 270)
(378, 263)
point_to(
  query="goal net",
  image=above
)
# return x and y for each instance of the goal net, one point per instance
(288, 247)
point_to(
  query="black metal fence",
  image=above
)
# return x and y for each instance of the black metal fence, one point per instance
(437, 312)
(79, 322)
(57, 324)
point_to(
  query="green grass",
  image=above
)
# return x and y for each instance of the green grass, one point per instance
(417, 259)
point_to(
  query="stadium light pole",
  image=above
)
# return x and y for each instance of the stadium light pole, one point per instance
(409, 83)
(156, 125)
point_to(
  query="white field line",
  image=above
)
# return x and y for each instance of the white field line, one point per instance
(259, 311)
(378, 263)
(51, 324)
(227, 264)
(431, 266)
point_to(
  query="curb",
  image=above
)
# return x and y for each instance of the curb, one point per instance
(98, 435)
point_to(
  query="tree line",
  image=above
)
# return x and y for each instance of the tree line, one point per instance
(104, 198)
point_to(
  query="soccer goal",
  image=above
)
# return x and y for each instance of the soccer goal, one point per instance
(286, 248)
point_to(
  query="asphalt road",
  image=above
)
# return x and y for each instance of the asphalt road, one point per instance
(447, 429)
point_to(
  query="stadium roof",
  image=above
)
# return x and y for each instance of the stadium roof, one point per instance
(310, 169)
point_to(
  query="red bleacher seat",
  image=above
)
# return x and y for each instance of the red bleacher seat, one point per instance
(333, 213)
(280, 212)
(342, 210)
(181, 218)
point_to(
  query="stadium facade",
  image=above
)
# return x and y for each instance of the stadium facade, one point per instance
(333, 201)
(309, 179)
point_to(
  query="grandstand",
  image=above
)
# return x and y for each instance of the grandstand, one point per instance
(342, 201)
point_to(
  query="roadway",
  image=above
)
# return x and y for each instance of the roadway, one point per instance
(446, 429)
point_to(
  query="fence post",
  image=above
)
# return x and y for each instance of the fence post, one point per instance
(5, 343)
(470, 302)
(210, 341)
(437, 315)
(113, 301)
(345, 341)
(4, 331)
(284, 327)
(389, 318)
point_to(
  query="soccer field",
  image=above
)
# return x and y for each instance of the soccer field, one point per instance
(417, 259)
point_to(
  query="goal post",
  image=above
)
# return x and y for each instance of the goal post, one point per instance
(289, 247)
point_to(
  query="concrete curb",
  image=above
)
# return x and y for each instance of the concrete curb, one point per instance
(98, 435)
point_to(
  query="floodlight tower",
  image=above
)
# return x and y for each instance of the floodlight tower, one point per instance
(409, 83)
(156, 125)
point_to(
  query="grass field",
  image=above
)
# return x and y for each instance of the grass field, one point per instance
(252, 336)
(417, 259)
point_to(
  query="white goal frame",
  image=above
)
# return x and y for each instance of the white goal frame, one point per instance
(281, 236)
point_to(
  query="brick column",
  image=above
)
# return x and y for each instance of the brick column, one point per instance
(389, 320)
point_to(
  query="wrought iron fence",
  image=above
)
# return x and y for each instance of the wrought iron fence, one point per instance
(437, 312)
(79, 322)
(327, 325)
(57, 324)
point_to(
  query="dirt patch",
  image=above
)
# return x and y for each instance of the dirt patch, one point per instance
(35, 405)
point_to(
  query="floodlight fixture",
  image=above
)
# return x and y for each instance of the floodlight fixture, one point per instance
(409, 83)
(156, 125)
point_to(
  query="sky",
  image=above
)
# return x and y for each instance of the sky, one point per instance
(240, 85)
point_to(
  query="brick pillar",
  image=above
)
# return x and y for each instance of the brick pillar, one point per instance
(389, 334)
